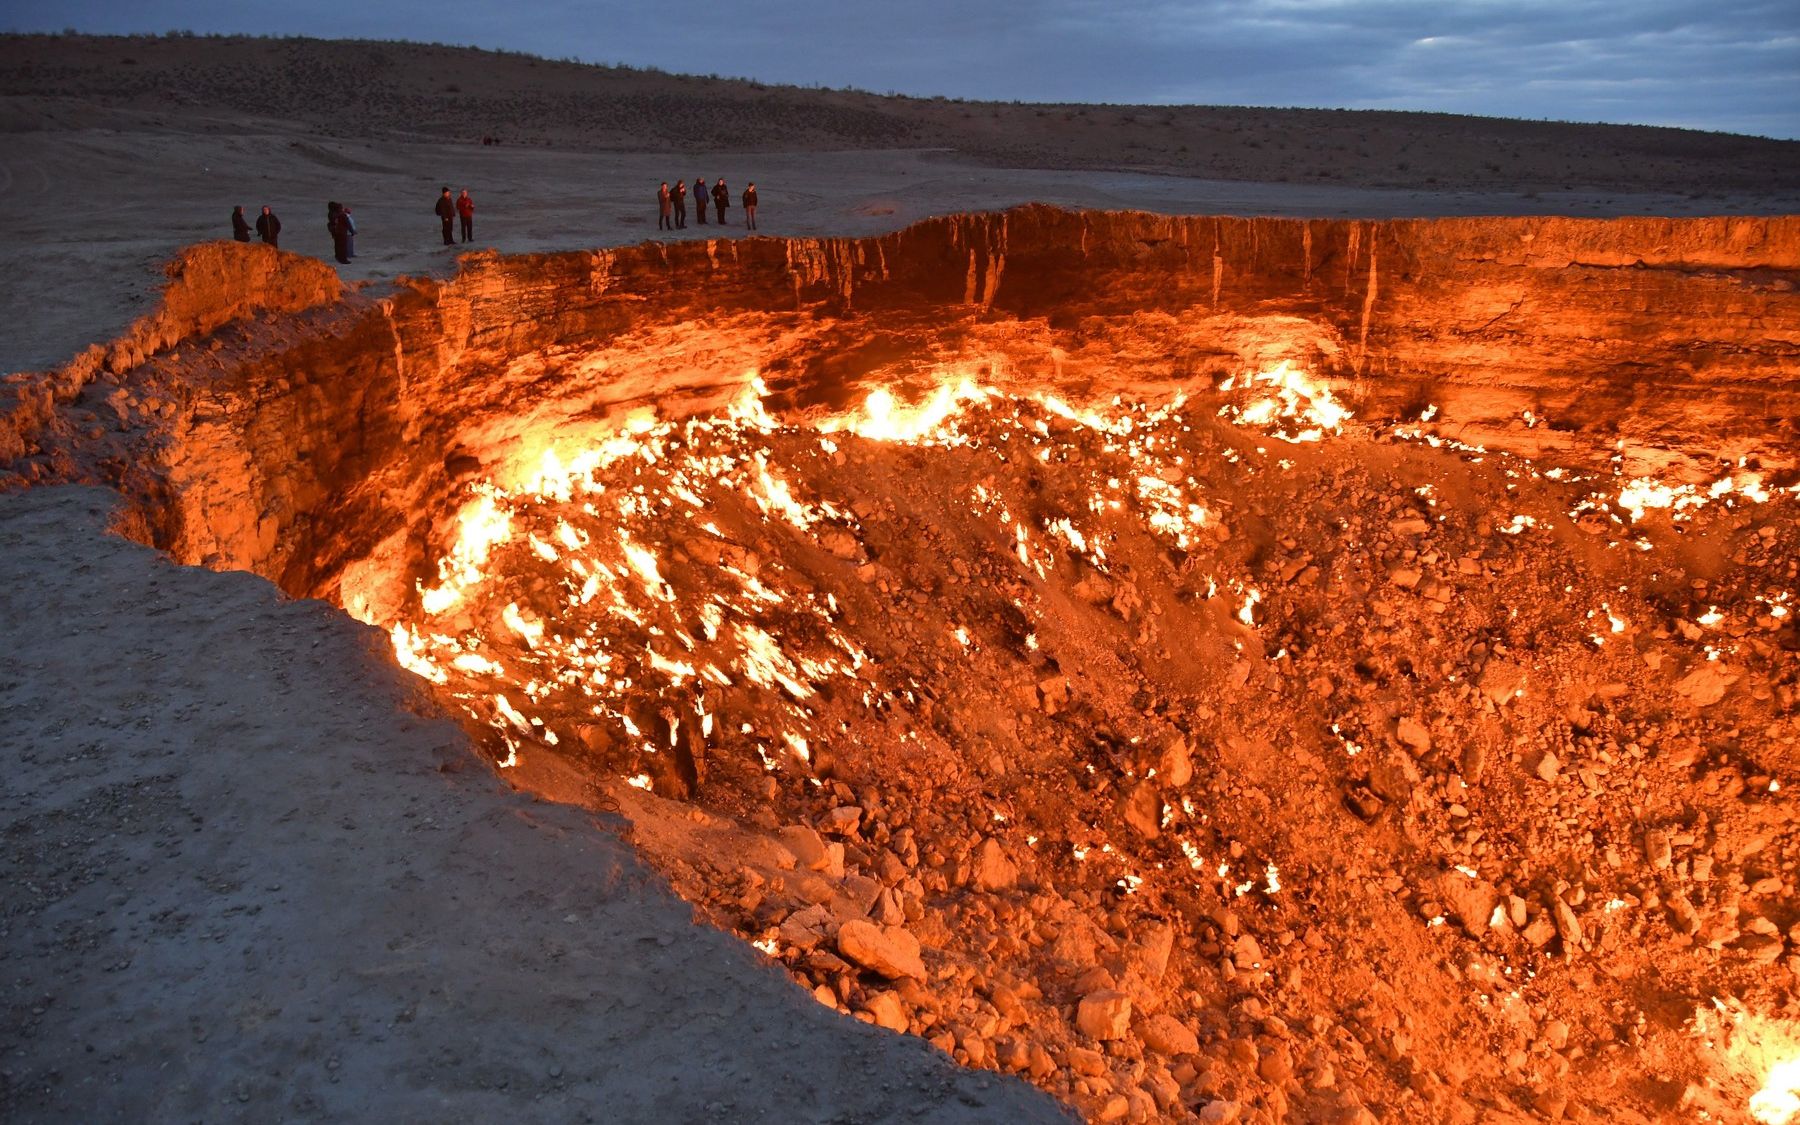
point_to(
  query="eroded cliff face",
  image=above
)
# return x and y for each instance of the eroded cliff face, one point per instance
(1122, 716)
(332, 429)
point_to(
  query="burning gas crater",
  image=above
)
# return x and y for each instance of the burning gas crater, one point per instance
(554, 624)
(1155, 725)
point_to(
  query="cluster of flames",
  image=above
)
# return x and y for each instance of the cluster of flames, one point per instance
(1747, 1048)
(609, 641)
(613, 601)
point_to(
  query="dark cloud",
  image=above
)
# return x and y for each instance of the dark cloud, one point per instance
(1710, 65)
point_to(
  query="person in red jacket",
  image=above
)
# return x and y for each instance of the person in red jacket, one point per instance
(465, 208)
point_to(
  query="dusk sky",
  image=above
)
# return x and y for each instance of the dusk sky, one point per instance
(1730, 65)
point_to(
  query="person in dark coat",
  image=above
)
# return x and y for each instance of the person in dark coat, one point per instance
(446, 212)
(465, 210)
(680, 194)
(334, 222)
(665, 208)
(268, 228)
(349, 225)
(240, 226)
(750, 206)
(721, 198)
(700, 199)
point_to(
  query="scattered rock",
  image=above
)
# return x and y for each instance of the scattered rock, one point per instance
(888, 1010)
(1176, 767)
(891, 951)
(993, 870)
(1105, 1014)
(1502, 682)
(1568, 927)
(1413, 735)
(1142, 810)
(1470, 901)
(842, 821)
(1276, 1064)
(1547, 767)
(807, 845)
(1165, 1033)
(1218, 1113)
(804, 929)
(1706, 684)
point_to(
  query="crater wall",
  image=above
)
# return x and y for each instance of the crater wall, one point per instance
(266, 419)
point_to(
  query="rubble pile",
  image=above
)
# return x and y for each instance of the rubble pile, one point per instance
(1209, 757)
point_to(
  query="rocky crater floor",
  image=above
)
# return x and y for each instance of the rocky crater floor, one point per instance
(1221, 670)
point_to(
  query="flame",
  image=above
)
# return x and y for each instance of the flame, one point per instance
(1641, 494)
(1754, 1050)
(1296, 400)
(883, 418)
(1778, 1102)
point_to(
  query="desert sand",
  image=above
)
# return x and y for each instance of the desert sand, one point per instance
(253, 873)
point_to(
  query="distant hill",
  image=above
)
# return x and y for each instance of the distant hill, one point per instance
(422, 92)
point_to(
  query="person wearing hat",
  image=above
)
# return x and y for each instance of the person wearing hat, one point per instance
(446, 211)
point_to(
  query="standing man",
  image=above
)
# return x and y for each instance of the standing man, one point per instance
(700, 199)
(349, 225)
(750, 205)
(465, 209)
(240, 226)
(268, 227)
(680, 204)
(334, 222)
(446, 212)
(665, 208)
(721, 198)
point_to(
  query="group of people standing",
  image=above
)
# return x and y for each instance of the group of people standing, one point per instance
(268, 227)
(338, 221)
(450, 210)
(343, 230)
(671, 206)
(671, 203)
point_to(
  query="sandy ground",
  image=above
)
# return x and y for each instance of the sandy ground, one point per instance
(87, 217)
(246, 883)
(245, 879)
